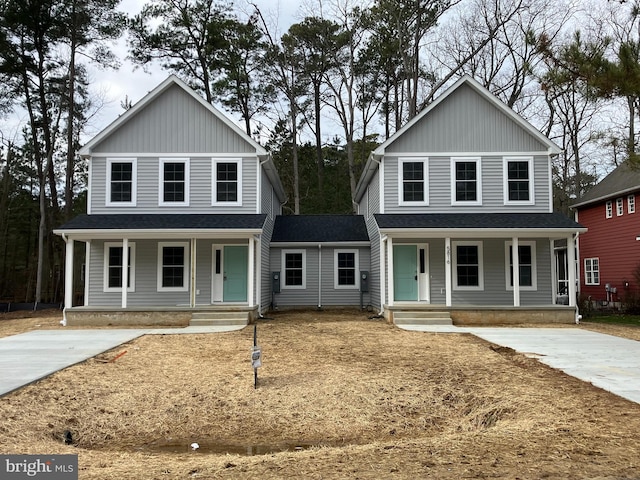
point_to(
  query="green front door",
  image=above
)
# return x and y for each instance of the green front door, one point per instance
(235, 273)
(405, 273)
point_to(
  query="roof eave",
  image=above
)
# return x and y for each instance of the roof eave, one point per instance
(409, 232)
(602, 198)
(168, 233)
(341, 244)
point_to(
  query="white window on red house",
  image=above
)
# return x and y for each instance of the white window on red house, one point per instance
(631, 204)
(592, 271)
(609, 209)
(619, 206)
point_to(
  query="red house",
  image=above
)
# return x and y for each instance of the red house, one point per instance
(609, 252)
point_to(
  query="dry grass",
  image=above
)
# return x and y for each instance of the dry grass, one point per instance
(376, 401)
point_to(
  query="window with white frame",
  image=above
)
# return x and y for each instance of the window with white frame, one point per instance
(518, 180)
(113, 267)
(631, 204)
(172, 266)
(413, 181)
(609, 209)
(121, 182)
(619, 206)
(294, 268)
(467, 265)
(174, 181)
(466, 179)
(526, 265)
(592, 271)
(346, 265)
(227, 182)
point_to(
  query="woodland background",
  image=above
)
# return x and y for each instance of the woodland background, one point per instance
(320, 96)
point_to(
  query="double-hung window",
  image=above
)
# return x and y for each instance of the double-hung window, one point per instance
(345, 269)
(518, 181)
(113, 267)
(227, 182)
(413, 181)
(121, 182)
(609, 209)
(592, 271)
(619, 207)
(174, 181)
(526, 265)
(294, 268)
(631, 204)
(173, 266)
(466, 181)
(467, 265)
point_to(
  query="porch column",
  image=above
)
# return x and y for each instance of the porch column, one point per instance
(68, 274)
(447, 271)
(252, 263)
(515, 256)
(192, 273)
(390, 271)
(571, 262)
(125, 270)
(383, 271)
(87, 262)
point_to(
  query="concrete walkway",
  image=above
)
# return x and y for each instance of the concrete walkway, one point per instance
(608, 362)
(30, 356)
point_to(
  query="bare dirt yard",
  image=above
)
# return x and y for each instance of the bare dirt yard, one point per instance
(339, 396)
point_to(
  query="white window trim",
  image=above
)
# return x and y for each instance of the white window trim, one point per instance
(214, 183)
(283, 271)
(609, 209)
(619, 207)
(185, 266)
(631, 203)
(187, 181)
(356, 266)
(134, 182)
(132, 270)
(534, 269)
(586, 276)
(505, 169)
(425, 181)
(454, 247)
(478, 162)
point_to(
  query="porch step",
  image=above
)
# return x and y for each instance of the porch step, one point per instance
(415, 317)
(219, 318)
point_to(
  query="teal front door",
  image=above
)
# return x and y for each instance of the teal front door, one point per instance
(405, 273)
(235, 273)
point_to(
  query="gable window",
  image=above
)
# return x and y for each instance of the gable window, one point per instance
(174, 181)
(466, 175)
(526, 265)
(631, 204)
(413, 181)
(619, 206)
(609, 209)
(467, 266)
(345, 268)
(226, 182)
(294, 268)
(592, 271)
(121, 182)
(518, 177)
(172, 266)
(113, 267)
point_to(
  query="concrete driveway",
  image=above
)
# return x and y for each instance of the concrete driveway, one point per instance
(608, 362)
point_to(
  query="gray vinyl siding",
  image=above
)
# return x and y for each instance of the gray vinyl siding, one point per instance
(372, 197)
(267, 206)
(437, 281)
(439, 187)
(466, 122)
(148, 181)
(174, 123)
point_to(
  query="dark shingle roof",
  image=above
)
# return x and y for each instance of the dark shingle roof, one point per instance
(489, 221)
(164, 221)
(320, 228)
(625, 178)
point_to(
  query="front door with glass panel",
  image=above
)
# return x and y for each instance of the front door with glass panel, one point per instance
(230, 270)
(405, 273)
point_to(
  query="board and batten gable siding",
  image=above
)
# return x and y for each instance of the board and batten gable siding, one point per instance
(148, 178)
(174, 123)
(466, 122)
(439, 186)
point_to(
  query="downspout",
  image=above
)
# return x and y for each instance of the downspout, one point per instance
(319, 276)
(577, 274)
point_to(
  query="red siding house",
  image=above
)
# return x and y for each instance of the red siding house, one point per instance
(609, 252)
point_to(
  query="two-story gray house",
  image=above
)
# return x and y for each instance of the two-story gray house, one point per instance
(180, 211)
(458, 205)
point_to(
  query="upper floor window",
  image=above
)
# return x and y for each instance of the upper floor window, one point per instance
(518, 178)
(592, 271)
(172, 266)
(609, 209)
(227, 182)
(619, 206)
(121, 181)
(631, 204)
(413, 181)
(294, 268)
(113, 267)
(466, 176)
(345, 268)
(526, 265)
(468, 271)
(174, 181)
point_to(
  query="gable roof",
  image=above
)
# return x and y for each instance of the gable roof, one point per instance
(624, 179)
(319, 229)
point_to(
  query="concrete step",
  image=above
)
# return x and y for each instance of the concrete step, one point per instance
(219, 318)
(421, 318)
